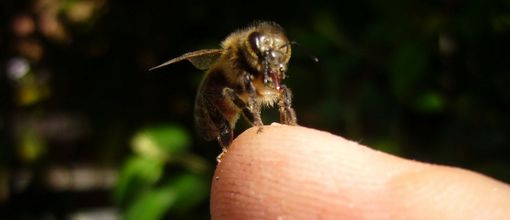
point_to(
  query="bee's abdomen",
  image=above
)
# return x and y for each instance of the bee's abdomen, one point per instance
(212, 109)
(203, 123)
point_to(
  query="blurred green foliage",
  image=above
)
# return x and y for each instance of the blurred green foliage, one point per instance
(426, 80)
(143, 189)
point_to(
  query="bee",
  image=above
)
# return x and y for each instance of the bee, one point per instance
(245, 74)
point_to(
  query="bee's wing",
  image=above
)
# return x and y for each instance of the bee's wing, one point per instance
(201, 59)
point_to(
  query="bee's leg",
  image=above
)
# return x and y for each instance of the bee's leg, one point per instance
(287, 113)
(225, 133)
(223, 151)
(252, 101)
(252, 114)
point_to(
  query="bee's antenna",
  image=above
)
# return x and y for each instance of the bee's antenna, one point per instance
(314, 58)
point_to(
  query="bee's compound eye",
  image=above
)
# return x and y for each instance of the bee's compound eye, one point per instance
(255, 42)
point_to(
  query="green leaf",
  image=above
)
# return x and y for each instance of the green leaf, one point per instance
(159, 142)
(192, 188)
(152, 204)
(137, 174)
(180, 193)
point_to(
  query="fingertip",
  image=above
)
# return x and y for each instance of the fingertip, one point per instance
(292, 171)
(301, 173)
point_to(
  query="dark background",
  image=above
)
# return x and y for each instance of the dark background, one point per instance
(86, 130)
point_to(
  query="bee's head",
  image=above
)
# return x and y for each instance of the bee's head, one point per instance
(273, 51)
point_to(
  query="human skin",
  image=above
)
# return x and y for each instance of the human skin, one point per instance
(291, 172)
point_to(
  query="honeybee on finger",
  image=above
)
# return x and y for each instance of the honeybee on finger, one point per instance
(245, 74)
